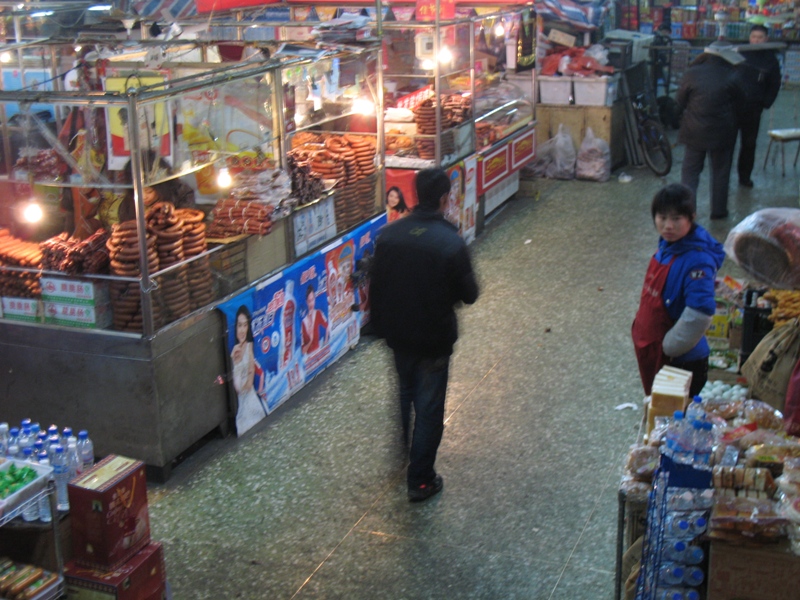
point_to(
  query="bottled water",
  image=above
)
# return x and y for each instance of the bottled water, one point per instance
(13, 451)
(66, 433)
(691, 595)
(74, 462)
(85, 449)
(704, 445)
(671, 574)
(25, 440)
(35, 430)
(45, 514)
(25, 423)
(669, 593)
(52, 442)
(4, 435)
(693, 576)
(693, 555)
(61, 475)
(52, 430)
(31, 510)
(38, 447)
(699, 524)
(673, 434)
(695, 411)
(677, 526)
(674, 550)
(13, 436)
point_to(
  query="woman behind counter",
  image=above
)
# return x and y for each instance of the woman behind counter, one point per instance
(174, 190)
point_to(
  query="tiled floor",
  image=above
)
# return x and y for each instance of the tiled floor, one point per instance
(312, 503)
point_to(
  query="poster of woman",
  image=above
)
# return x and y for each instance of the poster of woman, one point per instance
(314, 325)
(251, 409)
(395, 204)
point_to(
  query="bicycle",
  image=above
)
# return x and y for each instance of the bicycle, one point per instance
(656, 149)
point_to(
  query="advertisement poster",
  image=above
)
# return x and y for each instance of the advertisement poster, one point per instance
(289, 328)
(470, 199)
(153, 121)
(36, 80)
(455, 201)
(401, 195)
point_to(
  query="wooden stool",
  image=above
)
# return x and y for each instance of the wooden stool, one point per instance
(782, 136)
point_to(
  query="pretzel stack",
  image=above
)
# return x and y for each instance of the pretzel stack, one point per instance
(17, 253)
(425, 118)
(198, 271)
(126, 296)
(173, 287)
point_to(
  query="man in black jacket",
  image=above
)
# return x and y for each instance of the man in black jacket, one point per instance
(710, 97)
(760, 78)
(420, 272)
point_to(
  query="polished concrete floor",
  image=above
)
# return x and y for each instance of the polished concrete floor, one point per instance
(312, 504)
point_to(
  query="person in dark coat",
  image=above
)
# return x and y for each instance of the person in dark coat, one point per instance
(172, 190)
(709, 96)
(420, 272)
(760, 78)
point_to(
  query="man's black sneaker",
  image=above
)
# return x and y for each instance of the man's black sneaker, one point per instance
(746, 183)
(426, 490)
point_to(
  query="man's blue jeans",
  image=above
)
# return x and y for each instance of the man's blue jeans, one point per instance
(423, 385)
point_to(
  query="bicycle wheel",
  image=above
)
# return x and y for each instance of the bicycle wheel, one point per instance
(656, 147)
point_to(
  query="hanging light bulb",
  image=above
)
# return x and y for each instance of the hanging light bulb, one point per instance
(5, 57)
(363, 106)
(224, 179)
(445, 55)
(32, 212)
(428, 64)
(499, 30)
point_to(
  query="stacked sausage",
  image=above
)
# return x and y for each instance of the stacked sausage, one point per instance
(126, 296)
(198, 271)
(425, 118)
(76, 257)
(173, 286)
(17, 253)
(235, 217)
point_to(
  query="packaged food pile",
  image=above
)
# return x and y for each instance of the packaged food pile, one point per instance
(74, 256)
(15, 252)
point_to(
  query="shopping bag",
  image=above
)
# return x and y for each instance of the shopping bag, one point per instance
(770, 366)
(791, 411)
(594, 158)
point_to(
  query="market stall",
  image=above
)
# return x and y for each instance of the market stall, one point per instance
(113, 320)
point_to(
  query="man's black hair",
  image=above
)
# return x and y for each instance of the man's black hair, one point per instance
(674, 198)
(759, 27)
(431, 185)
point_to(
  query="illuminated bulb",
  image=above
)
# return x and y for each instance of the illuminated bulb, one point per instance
(445, 56)
(78, 48)
(5, 57)
(428, 64)
(363, 106)
(224, 179)
(499, 30)
(32, 213)
(41, 13)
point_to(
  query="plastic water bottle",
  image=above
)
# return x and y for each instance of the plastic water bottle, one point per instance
(45, 514)
(4, 436)
(52, 442)
(66, 433)
(36, 429)
(86, 449)
(13, 436)
(25, 423)
(693, 555)
(669, 593)
(699, 524)
(691, 594)
(695, 411)
(677, 526)
(673, 434)
(13, 451)
(61, 475)
(25, 440)
(693, 576)
(74, 462)
(52, 430)
(705, 444)
(30, 512)
(671, 574)
(674, 550)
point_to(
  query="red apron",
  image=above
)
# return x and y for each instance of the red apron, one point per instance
(651, 324)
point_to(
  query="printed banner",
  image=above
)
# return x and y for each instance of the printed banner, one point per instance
(455, 201)
(154, 124)
(401, 195)
(470, 199)
(426, 10)
(289, 328)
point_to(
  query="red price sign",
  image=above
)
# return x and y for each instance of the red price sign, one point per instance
(426, 10)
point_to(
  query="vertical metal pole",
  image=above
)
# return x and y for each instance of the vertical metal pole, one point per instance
(472, 83)
(137, 173)
(379, 107)
(283, 148)
(437, 87)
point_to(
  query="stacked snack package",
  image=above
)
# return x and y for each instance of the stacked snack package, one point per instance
(18, 253)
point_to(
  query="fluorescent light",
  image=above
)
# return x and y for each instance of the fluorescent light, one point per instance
(99, 7)
(41, 13)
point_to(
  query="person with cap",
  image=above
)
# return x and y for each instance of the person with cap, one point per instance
(420, 272)
(710, 96)
(760, 78)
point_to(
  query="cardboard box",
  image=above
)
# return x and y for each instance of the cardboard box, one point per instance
(752, 573)
(108, 506)
(78, 315)
(22, 309)
(74, 291)
(559, 37)
(143, 577)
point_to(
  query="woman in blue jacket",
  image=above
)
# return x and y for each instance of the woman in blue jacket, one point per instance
(677, 302)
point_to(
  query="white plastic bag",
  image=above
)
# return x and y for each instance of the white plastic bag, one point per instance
(767, 245)
(594, 158)
(598, 52)
(564, 155)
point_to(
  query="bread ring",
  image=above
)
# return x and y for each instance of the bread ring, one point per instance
(191, 215)
(169, 236)
(170, 246)
(335, 144)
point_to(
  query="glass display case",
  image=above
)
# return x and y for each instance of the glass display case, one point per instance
(501, 108)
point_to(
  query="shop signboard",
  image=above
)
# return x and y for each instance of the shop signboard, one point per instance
(426, 9)
(523, 149)
(493, 167)
(289, 328)
(314, 225)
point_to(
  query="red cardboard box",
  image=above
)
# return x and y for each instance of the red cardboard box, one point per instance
(752, 573)
(108, 509)
(143, 577)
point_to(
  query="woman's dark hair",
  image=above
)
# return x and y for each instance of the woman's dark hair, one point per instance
(431, 185)
(401, 202)
(674, 198)
(310, 290)
(244, 311)
(759, 27)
